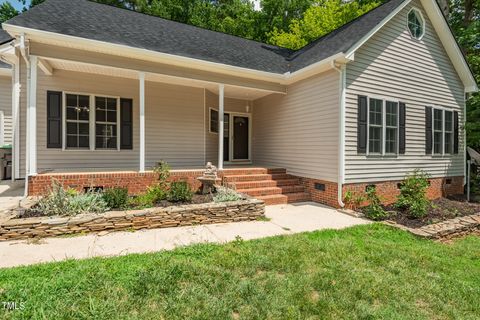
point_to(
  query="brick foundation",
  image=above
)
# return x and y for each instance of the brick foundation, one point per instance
(136, 182)
(389, 190)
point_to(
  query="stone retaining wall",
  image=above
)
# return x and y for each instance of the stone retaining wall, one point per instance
(175, 216)
(445, 230)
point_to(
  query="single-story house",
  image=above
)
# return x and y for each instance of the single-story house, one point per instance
(100, 94)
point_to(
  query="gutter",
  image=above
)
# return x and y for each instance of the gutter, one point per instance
(25, 55)
(341, 144)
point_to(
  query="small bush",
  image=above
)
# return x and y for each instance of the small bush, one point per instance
(163, 170)
(158, 192)
(180, 191)
(353, 200)
(374, 210)
(413, 195)
(61, 201)
(225, 194)
(146, 200)
(116, 197)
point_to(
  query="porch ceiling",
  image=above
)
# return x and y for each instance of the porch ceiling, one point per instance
(230, 91)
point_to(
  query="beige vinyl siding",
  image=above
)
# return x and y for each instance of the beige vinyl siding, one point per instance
(211, 139)
(173, 127)
(6, 107)
(299, 131)
(393, 65)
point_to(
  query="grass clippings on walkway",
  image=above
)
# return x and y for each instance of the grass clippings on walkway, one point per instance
(365, 272)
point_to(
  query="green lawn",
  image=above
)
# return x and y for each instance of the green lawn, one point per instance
(364, 272)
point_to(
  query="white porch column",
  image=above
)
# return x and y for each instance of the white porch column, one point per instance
(32, 118)
(142, 121)
(221, 96)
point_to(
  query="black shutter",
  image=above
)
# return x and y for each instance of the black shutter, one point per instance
(54, 119)
(362, 125)
(126, 124)
(401, 127)
(428, 130)
(455, 132)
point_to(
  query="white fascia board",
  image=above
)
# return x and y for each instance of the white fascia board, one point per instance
(143, 53)
(450, 44)
(316, 68)
(139, 53)
(362, 41)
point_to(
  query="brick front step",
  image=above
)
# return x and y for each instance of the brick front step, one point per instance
(255, 177)
(284, 198)
(266, 183)
(248, 171)
(255, 192)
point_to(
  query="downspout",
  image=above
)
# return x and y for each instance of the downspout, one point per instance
(341, 135)
(23, 51)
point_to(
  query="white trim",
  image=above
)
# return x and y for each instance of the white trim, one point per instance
(362, 41)
(141, 77)
(204, 126)
(422, 20)
(45, 67)
(452, 142)
(32, 118)
(2, 128)
(221, 111)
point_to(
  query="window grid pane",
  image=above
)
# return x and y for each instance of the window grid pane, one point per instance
(437, 131)
(448, 132)
(105, 123)
(77, 118)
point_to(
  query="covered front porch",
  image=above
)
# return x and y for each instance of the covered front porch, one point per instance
(75, 119)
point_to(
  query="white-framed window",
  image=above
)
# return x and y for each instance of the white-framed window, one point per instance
(91, 122)
(443, 131)
(383, 126)
(416, 23)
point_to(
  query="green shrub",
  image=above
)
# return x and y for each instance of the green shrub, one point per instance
(413, 195)
(225, 194)
(163, 170)
(116, 197)
(146, 200)
(180, 191)
(353, 200)
(61, 201)
(374, 210)
(158, 192)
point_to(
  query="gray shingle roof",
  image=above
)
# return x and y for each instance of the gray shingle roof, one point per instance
(4, 38)
(90, 20)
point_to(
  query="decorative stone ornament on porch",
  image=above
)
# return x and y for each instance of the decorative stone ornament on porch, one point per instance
(209, 179)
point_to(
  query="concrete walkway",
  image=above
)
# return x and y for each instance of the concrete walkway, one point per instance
(11, 194)
(285, 219)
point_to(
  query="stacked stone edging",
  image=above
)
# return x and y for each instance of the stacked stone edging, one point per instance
(175, 216)
(445, 230)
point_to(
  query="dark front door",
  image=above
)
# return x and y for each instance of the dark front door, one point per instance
(240, 138)
(226, 137)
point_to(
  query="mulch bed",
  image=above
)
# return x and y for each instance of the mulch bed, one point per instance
(440, 210)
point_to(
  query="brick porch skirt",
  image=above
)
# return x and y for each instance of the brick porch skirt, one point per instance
(136, 182)
(387, 190)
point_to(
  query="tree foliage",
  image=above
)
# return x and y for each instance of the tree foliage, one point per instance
(321, 18)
